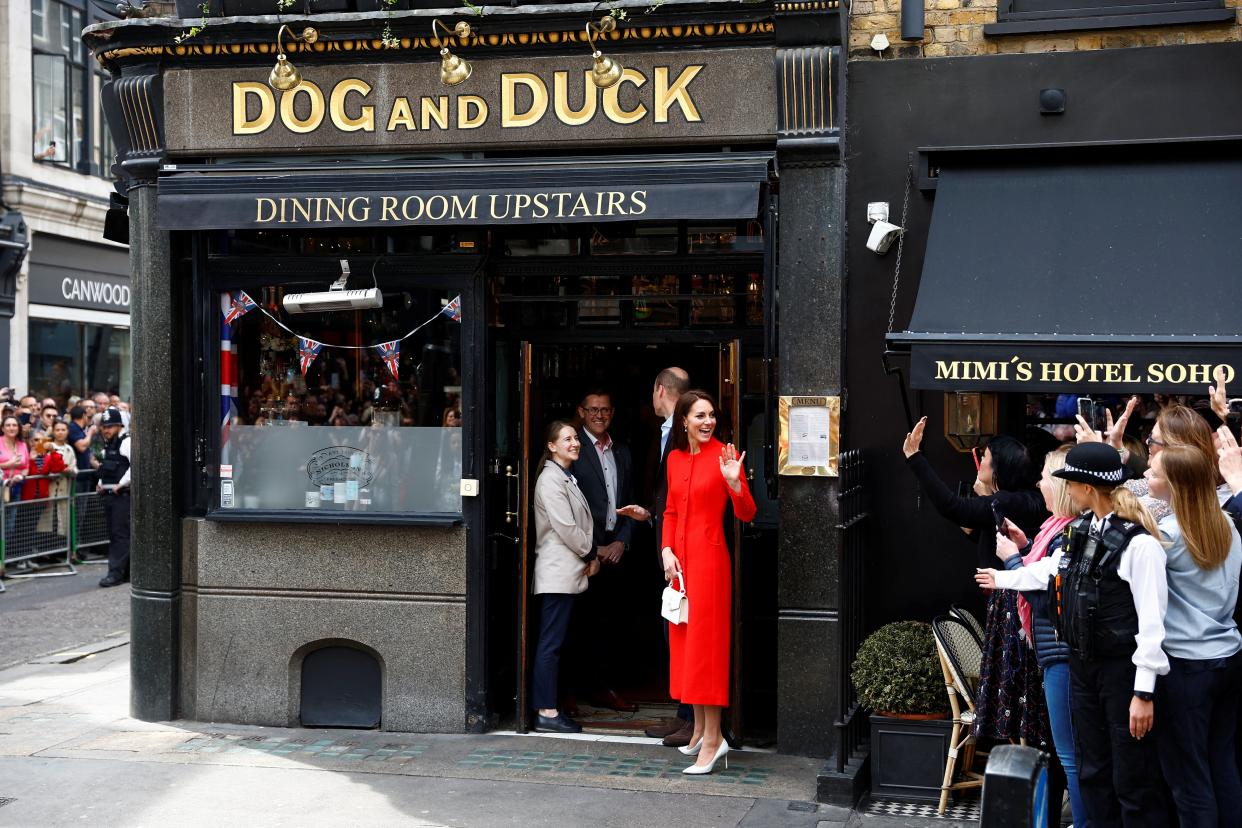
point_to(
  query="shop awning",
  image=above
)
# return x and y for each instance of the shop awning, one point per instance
(1123, 276)
(509, 191)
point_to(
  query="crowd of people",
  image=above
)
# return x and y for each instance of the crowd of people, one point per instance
(584, 521)
(1111, 556)
(51, 448)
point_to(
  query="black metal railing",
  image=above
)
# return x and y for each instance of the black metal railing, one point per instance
(851, 724)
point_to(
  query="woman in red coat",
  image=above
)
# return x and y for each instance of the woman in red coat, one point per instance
(704, 476)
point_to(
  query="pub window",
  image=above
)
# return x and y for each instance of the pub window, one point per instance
(346, 434)
(67, 115)
(1018, 16)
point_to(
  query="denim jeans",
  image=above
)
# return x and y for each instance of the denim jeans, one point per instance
(1057, 692)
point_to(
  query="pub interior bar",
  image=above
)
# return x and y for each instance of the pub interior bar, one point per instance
(340, 486)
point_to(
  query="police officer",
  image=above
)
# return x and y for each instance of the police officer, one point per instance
(1110, 593)
(113, 489)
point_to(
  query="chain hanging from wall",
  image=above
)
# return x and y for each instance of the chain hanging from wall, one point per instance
(889, 368)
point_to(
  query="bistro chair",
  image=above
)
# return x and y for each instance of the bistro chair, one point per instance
(960, 657)
(969, 619)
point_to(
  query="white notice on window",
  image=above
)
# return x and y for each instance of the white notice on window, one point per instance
(809, 443)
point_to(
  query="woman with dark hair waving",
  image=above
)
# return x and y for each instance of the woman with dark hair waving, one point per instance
(1198, 697)
(564, 559)
(704, 477)
(1011, 697)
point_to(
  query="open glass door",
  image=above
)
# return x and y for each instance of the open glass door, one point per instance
(508, 512)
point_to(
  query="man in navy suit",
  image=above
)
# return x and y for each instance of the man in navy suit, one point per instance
(603, 471)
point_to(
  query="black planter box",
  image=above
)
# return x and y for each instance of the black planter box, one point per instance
(907, 757)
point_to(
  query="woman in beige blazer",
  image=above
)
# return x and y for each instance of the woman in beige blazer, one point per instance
(564, 559)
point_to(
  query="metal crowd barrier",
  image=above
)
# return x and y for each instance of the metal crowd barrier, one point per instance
(48, 532)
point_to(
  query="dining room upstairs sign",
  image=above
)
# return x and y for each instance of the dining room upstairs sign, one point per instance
(716, 96)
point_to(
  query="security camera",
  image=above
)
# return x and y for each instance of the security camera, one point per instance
(335, 298)
(882, 236)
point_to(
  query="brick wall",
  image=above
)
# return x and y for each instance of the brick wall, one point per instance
(955, 27)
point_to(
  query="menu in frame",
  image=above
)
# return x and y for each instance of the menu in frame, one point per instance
(809, 444)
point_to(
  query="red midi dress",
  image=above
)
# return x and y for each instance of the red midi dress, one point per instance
(694, 529)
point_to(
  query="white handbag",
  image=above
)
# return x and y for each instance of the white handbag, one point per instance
(674, 606)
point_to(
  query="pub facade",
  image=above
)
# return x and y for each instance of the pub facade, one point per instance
(359, 298)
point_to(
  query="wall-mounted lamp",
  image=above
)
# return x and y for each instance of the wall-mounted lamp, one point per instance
(606, 71)
(969, 418)
(285, 75)
(453, 70)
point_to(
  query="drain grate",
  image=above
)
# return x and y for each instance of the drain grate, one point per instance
(804, 807)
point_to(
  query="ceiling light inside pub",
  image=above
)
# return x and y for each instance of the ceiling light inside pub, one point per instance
(336, 297)
(285, 75)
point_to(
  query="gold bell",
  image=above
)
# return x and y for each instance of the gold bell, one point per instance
(606, 71)
(284, 76)
(453, 70)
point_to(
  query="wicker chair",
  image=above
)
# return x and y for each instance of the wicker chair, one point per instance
(968, 618)
(960, 657)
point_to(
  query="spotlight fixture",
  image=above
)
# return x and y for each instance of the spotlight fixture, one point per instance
(606, 71)
(453, 70)
(285, 75)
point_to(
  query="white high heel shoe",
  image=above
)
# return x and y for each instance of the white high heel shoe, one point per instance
(722, 751)
(692, 750)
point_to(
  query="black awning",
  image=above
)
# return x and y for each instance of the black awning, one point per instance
(1090, 277)
(523, 191)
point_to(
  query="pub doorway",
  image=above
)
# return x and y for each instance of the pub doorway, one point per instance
(551, 339)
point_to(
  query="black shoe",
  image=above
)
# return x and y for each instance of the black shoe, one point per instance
(558, 724)
(111, 580)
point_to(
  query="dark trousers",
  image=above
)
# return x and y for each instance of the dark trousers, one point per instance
(555, 612)
(1119, 776)
(1197, 701)
(116, 507)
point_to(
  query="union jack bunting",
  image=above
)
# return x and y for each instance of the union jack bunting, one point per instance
(308, 349)
(241, 304)
(391, 354)
(453, 309)
(228, 376)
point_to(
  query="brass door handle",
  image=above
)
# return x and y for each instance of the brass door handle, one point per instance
(510, 495)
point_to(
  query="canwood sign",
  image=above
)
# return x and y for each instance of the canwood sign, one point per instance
(695, 97)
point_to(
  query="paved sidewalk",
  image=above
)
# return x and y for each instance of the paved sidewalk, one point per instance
(70, 755)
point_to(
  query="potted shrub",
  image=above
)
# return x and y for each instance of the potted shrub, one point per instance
(897, 676)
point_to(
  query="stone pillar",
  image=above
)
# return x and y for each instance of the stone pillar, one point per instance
(811, 242)
(811, 215)
(159, 450)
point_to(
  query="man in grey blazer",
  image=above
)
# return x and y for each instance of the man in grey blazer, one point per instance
(603, 471)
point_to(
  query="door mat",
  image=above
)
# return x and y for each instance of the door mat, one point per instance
(604, 720)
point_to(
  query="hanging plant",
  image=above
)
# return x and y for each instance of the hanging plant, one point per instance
(193, 31)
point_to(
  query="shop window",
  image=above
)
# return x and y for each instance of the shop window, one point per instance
(713, 302)
(66, 108)
(336, 429)
(650, 310)
(626, 240)
(746, 237)
(77, 358)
